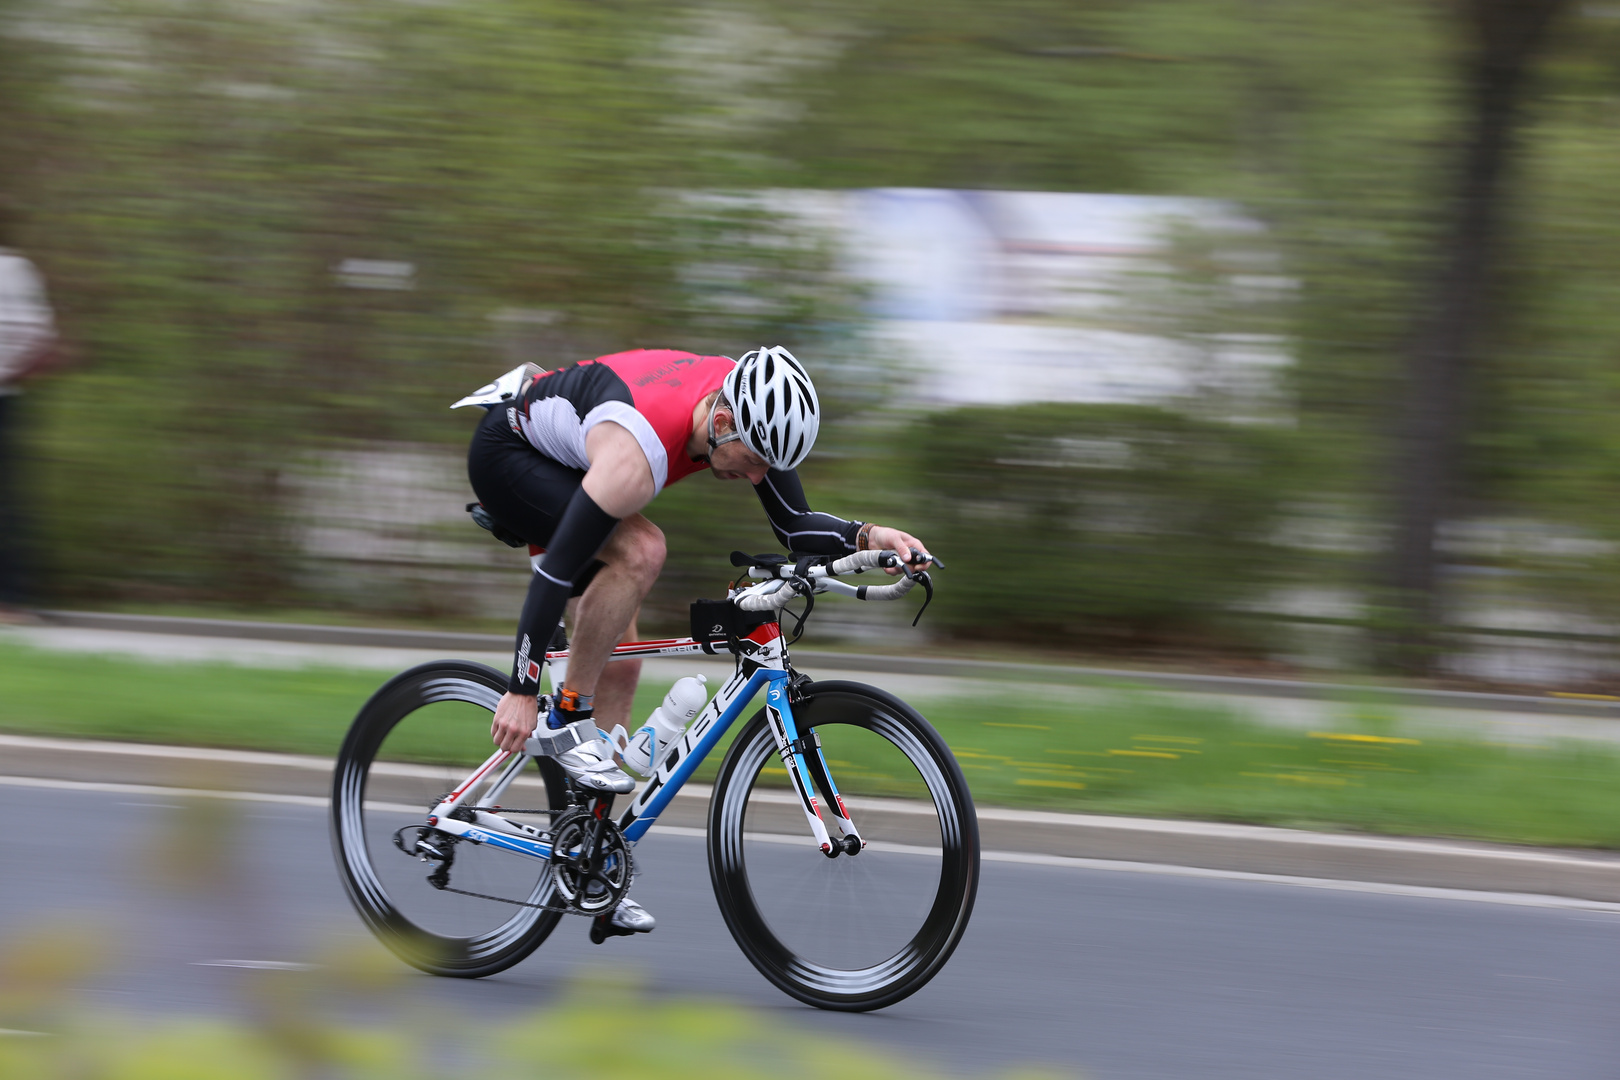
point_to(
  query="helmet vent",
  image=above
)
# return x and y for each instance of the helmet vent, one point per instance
(774, 405)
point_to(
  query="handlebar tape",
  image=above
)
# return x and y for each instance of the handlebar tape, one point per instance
(886, 592)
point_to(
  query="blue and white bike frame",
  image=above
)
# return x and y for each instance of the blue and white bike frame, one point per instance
(762, 663)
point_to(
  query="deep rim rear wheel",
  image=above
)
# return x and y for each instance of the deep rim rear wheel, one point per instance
(413, 742)
(854, 932)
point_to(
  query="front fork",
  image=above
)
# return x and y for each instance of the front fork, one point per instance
(807, 768)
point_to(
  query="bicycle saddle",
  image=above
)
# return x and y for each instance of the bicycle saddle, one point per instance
(503, 389)
(741, 558)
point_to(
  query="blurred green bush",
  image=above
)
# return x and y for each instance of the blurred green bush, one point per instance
(348, 1021)
(1092, 521)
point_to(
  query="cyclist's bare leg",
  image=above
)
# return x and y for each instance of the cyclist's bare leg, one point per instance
(616, 685)
(606, 614)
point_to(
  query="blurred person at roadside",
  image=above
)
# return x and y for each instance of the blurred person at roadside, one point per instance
(568, 465)
(28, 347)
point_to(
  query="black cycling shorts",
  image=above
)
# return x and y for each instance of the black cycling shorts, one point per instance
(522, 489)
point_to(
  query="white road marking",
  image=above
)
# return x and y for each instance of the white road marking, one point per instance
(188, 753)
(1117, 824)
(1272, 834)
(192, 793)
(159, 790)
(1534, 900)
(256, 965)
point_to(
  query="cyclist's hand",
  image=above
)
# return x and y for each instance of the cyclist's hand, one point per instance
(883, 538)
(515, 718)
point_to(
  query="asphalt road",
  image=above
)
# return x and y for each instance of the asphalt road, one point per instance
(1110, 975)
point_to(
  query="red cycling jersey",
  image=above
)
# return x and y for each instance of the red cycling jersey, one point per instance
(652, 393)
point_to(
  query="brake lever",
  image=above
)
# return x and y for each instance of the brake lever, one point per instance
(918, 554)
(807, 589)
(928, 594)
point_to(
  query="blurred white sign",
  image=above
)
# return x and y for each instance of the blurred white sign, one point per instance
(1010, 296)
(376, 274)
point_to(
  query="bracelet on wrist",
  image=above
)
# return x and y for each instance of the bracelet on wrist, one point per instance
(863, 537)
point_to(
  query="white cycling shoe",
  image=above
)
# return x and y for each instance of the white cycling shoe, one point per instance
(631, 916)
(591, 766)
(627, 919)
(585, 755)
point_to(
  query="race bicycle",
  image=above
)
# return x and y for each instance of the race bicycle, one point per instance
(847, 895)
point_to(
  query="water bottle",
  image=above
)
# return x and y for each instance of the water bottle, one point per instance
(642, 750)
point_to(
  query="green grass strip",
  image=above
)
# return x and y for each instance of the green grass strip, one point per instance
(1107, 751)
(1161, 756)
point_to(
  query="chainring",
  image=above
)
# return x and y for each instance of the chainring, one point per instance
(588, 891)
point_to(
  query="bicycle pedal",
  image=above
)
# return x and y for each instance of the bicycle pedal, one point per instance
(602, 928)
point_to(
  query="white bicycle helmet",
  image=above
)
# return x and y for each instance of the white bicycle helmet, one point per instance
(774, 406)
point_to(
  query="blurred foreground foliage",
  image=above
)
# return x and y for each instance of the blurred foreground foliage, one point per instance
(325, 1023)
(198, 174)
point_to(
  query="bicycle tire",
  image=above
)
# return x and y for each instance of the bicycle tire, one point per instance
(773, 940)
(375, 874)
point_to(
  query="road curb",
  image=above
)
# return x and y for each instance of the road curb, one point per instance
(1214, 846)
(1046, 674)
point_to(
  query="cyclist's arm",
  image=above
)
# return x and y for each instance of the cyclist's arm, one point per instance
(798, 527)
(619, 479)
(810, 532)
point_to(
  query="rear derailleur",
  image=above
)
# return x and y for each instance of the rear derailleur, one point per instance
(430, 846)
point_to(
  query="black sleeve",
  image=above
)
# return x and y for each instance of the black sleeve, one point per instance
(583, 530)
(800, 528)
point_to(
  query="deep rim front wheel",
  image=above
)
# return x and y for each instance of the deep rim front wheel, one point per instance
(853, 932)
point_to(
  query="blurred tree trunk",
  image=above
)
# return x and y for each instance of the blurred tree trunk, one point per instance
(1504, 37)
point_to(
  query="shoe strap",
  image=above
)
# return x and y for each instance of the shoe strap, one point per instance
(554, 741)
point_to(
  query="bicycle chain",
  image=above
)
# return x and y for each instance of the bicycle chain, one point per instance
(629, 859)
(510, 810)
(517, 903)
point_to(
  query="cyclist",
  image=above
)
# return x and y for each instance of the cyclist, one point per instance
(568, 466)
